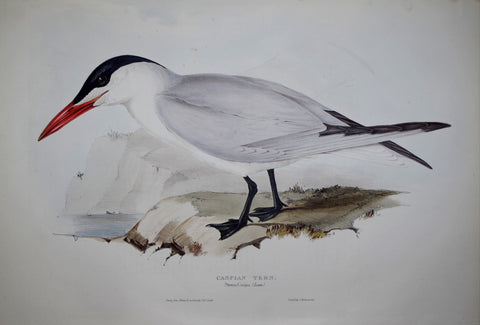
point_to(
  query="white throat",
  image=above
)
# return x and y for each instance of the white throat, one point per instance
(147, 81)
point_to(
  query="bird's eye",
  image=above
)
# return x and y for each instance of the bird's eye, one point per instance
(102, 81)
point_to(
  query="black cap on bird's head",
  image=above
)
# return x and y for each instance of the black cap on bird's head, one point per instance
(99, 78)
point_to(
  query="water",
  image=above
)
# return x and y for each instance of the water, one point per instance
(106, 226)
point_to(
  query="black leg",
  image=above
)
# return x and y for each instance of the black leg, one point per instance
(268, 213)
(232, 225)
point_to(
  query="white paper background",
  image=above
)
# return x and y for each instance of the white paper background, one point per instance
(375, 62)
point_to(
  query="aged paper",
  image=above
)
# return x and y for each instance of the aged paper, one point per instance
(376, 62)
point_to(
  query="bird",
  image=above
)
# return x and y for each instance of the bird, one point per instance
(240, 124)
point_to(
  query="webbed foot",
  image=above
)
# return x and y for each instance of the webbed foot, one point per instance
(227, 228)
(267, 213)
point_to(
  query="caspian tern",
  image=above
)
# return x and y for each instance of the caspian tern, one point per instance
(236, 123)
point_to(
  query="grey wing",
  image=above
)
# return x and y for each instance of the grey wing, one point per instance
(221, 114)
(250, 120)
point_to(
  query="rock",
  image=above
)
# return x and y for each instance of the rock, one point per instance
(179, 223)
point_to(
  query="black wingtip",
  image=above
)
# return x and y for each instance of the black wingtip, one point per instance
(432, 126)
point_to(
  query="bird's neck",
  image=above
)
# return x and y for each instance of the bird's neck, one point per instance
(143, 106)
